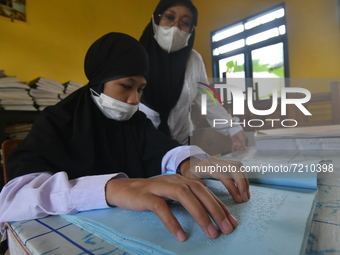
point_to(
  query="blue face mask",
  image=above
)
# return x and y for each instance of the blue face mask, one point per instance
(113, 108)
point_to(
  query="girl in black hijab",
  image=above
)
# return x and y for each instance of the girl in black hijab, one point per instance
(175, 71)
(80, 152)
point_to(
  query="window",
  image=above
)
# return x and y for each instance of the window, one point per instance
(253, 49)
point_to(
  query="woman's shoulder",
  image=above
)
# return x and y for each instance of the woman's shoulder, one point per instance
(195, 58)
(195, 55)
(195, 62)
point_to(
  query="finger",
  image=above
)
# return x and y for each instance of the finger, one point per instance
(232, 220)
(218, 211)
(247, 183)
(243, 142)
(232, 188)
(161, 209)
(198, 202)
(240, 191)
(241, 181)
(243, 188)
(199, 180)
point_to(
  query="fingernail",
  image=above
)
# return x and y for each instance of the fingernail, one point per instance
(245, 196)
(239, 198)
(234, 221)
(226, 227)
(212, 231)
(180, 236)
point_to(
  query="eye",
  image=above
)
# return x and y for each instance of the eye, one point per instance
(127, 87)
(141, 89)
(169, 18)
(186, 23)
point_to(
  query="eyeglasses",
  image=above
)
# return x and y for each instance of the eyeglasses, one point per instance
(169, 20)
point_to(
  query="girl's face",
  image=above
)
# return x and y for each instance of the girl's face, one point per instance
(177, 15)
(128, 90)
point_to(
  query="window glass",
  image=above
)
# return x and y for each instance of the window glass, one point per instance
(229, 47)
(225, 33)
(251, 49)
(274, 32)
(268, 62)
(232, 72)
(263, 19)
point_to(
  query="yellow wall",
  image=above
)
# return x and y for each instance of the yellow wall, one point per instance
(53, 41)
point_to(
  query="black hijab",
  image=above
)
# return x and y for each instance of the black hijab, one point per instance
(74, 136)
(167, 70)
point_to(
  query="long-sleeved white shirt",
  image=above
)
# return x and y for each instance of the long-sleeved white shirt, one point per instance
(37, 195)
(179, 120)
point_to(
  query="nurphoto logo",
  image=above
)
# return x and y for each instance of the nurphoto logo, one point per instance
(238, 104)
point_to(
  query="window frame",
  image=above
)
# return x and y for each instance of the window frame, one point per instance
(247, 49)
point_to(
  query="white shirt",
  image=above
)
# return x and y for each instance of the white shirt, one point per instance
(37, 195)
(179, 120)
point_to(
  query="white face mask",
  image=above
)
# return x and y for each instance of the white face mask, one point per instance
(113, 108)
(170, 39)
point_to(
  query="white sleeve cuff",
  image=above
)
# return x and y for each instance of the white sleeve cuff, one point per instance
(173, 158)
(88, 192)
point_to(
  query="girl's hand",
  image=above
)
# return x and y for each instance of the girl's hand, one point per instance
(150, 194)
(228, 172)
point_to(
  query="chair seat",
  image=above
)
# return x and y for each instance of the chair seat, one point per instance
(8, 147)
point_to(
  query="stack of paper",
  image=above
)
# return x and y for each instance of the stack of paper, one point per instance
(14, 94)
(299, 138)
(46, 91)
(17, 131)
(274, 221)
(70, 87)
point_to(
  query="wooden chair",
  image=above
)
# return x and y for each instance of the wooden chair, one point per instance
(7, 148)
(319, 106)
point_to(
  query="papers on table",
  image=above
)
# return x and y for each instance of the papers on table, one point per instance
(273, 221)
(299, 138)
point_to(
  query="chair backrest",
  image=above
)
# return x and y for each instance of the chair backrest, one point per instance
(7, 148)
(319, 101)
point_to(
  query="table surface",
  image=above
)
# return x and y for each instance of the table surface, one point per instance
(54, 235)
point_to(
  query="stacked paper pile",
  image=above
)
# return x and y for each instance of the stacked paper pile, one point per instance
(70, 87)
(265, 223)
(14, 94)
(299, 138)
(46, 91)
(17, 131)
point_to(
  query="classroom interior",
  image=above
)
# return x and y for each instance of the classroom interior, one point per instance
(53, 41)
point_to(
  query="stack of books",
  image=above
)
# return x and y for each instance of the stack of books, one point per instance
(70, 87)
(14, 94)
(46, 92)
(17, 131)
